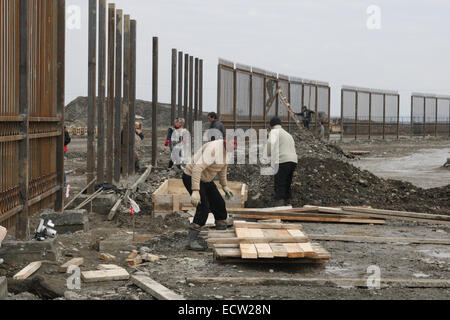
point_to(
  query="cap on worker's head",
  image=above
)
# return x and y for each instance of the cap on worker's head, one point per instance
(181, 120)
(275, 122)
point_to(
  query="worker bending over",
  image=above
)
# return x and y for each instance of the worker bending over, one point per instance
(281, 147)
(198, 178)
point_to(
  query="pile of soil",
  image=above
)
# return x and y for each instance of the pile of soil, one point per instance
(325, 177)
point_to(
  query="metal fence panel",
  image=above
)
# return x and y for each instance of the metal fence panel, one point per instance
(391, 115)
(443, 117)
(348, 118)
(430, 116)
(418, 116)
(282, 111)
(227, 94)
(377, 115)
(363, 126)
(243, 95)
(258, 98)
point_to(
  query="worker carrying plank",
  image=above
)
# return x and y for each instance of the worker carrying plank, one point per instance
(198, 178)
(281, 148)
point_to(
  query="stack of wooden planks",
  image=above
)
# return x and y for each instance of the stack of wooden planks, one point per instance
(265, 242)
(306, 214)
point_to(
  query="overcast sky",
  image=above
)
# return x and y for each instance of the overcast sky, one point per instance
(326, 40)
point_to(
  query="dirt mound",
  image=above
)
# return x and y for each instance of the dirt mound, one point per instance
(325, 177)
(76, 112)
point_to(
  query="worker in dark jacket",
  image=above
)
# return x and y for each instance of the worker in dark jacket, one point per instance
(307, 116)
(67, 139)
(217, 125)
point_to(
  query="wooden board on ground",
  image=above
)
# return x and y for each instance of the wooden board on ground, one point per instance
(155, 289)
(28, 271)
(261, 225)
(105, 275)
(294, 250)
(108, 267)
(279, 250)
(315, 218)
(398, 213)
(248, 251)
(264, 251)
(76, 262)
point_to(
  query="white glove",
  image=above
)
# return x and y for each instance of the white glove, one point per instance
(228, 193)
(195, 198)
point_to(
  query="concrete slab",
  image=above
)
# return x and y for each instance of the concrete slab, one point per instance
(19, 253)
(69, 221)
(102, 204)
(3, 288)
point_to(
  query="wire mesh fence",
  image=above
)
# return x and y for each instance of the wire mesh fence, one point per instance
(430, 115)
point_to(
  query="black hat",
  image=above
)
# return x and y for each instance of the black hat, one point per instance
(275, 122)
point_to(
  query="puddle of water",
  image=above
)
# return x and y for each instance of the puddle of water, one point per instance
(423, 169)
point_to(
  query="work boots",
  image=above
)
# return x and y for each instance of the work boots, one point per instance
(193, 241)
(221, 225)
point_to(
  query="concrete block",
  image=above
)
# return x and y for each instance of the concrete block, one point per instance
(19, 253)
(3, 288)
(102, 204)
(69, 221)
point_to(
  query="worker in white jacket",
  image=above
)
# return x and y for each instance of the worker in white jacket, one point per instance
(3, 233)
(281, 148)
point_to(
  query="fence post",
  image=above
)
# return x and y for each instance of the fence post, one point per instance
(186, 89)
(219, 90)
(155, 103)
(235, 100)
(101, 92)
(412, 115)
(329, 112)
(196, 89)
(424, 115)
(118, 95)
(22, 226)
(92, 92)
(356, 115)
(180, 85)
(251, 100)
(191, 92)
(200, 95)
(342, 114)
(435, 122)
(132, 128)
(173, 101)
(126, 96)
(61, 40)
(370, 115)
(398, 117)
(384, 116)
(110, 114)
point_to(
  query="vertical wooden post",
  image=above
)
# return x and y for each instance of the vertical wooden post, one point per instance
(196, 89)
(132, 128)
(186, 89)
(155, 103)
(180, 85)
(101, 92)
(110, 115)
(118, 95)
(384, 116)
(200, 88)
(356, 115)
(92, 92)
(22, 226)
(191, 94)
(370, 115)
(173, 101)
(126, 95)
(219, 90)
(235, 98)
(60, 87)
(342, 114)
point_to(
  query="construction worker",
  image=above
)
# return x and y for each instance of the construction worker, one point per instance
(3, 233)
(215, 125)
(307, 116)
(198, 178)
(176, 138)
(67, 140)
(281, 147)
(139, 137)
(321, 130)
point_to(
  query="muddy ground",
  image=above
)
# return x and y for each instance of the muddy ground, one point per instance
(168, 235)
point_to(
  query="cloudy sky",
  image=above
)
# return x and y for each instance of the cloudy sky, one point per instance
(327, 40)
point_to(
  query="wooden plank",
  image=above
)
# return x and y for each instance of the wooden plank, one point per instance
(367, 239)
(248, 251)
(74, 262)
(279, 250)
(285, 233)
(320, 282)
(294, 251)
(258, 240)
(155, 289)
(308, 250)
(264, 251)
(105, 275)
(255, 233)
(296, 233)
(108, 267)
(28, 271)
(398, 213)
(398, 218)
(348, 220)
(261, 225)
(242, 232)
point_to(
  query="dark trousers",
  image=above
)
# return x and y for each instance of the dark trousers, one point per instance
(283, 181)
(211, 201)
(306, 124)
